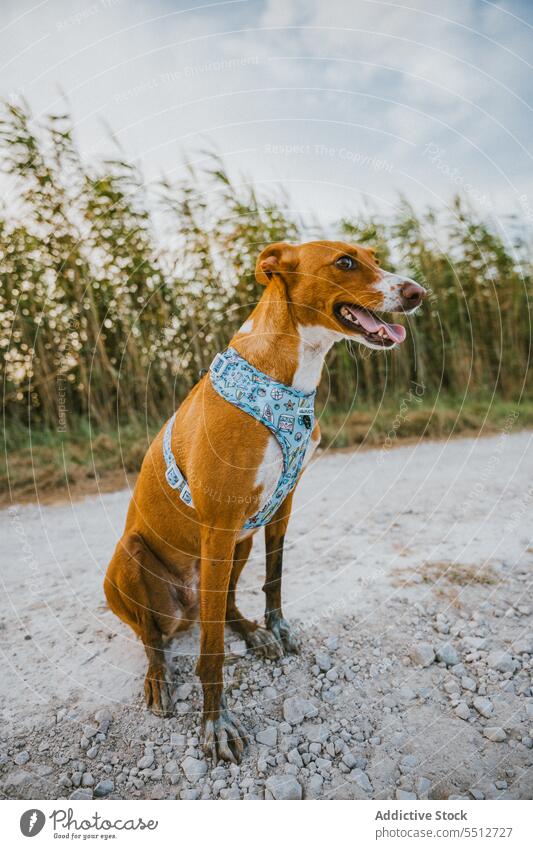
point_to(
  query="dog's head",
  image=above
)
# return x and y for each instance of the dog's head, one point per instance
(340, 287)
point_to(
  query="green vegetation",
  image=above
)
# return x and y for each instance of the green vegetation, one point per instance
(114, 294)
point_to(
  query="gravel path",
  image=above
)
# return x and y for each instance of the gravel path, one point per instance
(409, 575)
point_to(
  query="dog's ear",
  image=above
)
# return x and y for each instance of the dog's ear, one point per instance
(278, 259)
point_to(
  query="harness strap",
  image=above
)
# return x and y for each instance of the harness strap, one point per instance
(173, 475)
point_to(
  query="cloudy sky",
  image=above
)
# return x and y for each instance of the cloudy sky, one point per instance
(339, 101)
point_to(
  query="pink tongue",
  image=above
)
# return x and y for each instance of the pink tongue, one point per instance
(396, 332)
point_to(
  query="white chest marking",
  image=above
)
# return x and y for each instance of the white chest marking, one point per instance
(268, 475)
(315, 342)
(247, 327)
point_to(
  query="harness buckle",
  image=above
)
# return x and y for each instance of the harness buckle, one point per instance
(219, 365)
(173, 477)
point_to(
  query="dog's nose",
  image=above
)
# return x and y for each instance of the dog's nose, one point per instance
(412, 294)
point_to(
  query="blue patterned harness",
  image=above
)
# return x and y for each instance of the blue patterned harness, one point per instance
(288, 413)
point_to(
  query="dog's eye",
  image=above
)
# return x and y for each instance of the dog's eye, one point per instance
(346, 263)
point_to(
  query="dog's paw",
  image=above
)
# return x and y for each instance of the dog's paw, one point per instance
(264, 643)
(158, 692)
(284, 634)
(225, 738)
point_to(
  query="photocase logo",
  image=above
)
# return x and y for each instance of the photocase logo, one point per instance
(32, 822)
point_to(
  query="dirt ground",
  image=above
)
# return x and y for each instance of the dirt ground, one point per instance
(408, 573)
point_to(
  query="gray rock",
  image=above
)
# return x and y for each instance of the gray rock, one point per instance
(296, 709)
(146, 761)
(87, 779)
(524, 645)
(189, 794)
(183, 692)
(468, 683)
(178, 740)
(422, 654)
(193, 769)
(404, 794)
(82, 795)
(483, 706)
(447, 654)
(463, 711)
(314, 786)
(361, 779)
(22, 758)
(103, 715)
(501, 661)
(104, 788)
(495, 733)
(423, 786)
(323, 661)
(317, 733)
(19, 778)
(238, 648)
(349, 760)
(283, 787)
(267, 737)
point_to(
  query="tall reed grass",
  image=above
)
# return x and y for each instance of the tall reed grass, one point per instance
(115, 294)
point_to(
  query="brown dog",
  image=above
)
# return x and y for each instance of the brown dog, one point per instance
(174, 558)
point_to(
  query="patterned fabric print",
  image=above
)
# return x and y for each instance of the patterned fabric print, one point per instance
(286, 412)
(173, 475)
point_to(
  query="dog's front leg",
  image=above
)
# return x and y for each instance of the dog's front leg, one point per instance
(274, 539)
(224, 736)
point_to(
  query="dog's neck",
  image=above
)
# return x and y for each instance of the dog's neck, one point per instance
(275, 342)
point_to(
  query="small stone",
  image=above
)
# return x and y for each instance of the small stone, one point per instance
(189, 794)
(361, 779)
(22, 758)
(87, 779)
(146, 761)
(447, 654)
(323, 661)
(296, 709)
(495, 733)
(238, 648)
(193, 769)
(404, 794)
(103, 715)
(422, 654)
(463, 711)
(283, 787)
(81, 795)
(317, 733)
(314, 786)
(468, 683)
(104, 788)
(268, 737)
(501, 661)
(483, 706)
(183, 692)
(423, 786)
(178, 740)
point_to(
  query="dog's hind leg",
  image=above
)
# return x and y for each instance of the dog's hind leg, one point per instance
(256, 638)
(274, 539)
(139, 589)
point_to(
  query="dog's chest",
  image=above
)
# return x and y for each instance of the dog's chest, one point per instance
(269, 473)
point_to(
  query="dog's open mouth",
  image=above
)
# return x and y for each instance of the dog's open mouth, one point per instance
(364, 322)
